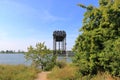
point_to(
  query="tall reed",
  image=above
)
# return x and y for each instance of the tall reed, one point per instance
(17, 72)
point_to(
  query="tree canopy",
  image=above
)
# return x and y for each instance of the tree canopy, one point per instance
(40, 55)
(97, 48)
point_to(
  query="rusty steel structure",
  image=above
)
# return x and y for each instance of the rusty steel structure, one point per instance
(59, 38)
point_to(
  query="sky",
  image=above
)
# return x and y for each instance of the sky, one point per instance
(27, 22)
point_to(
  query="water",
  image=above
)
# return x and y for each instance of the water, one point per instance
(64, 58)
(20, 59)
(13, 59)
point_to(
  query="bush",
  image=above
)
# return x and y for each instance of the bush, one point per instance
(66, 73)
(41, 56)
(97, 48)
(61, 64)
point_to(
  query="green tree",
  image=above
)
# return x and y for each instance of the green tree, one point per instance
(97, 48)
(40, 55)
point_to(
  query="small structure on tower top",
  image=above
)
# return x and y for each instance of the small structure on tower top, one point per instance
(59, 37)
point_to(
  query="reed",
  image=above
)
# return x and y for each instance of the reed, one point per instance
(17, 72)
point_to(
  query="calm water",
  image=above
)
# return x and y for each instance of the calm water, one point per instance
(20, 59)
(13, 59)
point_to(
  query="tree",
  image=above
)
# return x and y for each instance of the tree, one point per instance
(97, 48)
(40, 56)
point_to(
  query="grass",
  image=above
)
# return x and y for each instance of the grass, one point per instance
(70, 72)
(104, 76)
(66, 73)
(17, 72)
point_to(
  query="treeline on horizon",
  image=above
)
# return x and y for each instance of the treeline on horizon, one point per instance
(21, 51)
(11, 51)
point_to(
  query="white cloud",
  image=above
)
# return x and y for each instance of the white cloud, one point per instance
(29, 11)
(16, 44)
(22, 44)
(10, 43)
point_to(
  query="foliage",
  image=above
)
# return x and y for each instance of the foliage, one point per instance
(17, 72)
(97, 48)
(66, 73)
(61, 64)
(104, 76)
(70, 72)
(99, 76)
(41, 56)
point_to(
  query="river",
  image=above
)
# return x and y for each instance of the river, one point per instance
(15, 59)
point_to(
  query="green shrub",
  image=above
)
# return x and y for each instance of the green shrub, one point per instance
(66, 73)
(97, 48)
(40, 55)
(61, 64)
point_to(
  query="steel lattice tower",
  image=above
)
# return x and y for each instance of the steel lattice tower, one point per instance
(59, 38)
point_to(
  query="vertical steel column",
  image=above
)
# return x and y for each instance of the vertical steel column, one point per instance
(65, 44)
(58, 47)
(54, 45)
(62, 46)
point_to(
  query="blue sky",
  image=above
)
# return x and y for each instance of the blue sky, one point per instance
(27, 22)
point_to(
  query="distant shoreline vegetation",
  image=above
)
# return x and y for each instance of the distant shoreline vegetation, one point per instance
(11, 51)
(70, 53)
